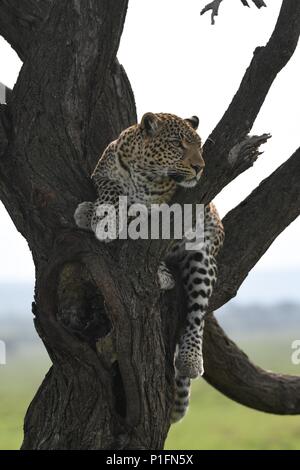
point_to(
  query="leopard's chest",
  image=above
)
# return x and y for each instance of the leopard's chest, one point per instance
(142, 189)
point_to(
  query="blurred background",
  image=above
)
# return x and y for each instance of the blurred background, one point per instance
(177, 62)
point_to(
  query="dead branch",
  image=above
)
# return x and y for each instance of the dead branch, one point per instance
(215, 5)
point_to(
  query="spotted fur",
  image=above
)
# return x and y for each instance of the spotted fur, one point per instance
(147, 163)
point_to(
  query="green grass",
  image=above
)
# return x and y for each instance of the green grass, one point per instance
(19, 380)
(213, 421)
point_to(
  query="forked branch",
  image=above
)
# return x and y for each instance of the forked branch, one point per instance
(215, 4)
(214, 7)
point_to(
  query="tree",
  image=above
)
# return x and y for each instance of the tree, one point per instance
(98, 308)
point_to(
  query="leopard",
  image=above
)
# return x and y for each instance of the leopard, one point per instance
(148, 162)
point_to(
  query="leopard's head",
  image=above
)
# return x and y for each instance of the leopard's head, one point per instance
(170, 148)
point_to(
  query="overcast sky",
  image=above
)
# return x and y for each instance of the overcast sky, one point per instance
(177, 62)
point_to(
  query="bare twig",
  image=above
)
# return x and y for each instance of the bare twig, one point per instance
(259, 3)
(247, 151)
(215, 5)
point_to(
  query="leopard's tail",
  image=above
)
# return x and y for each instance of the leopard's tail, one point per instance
(182, 397)
(5, 93)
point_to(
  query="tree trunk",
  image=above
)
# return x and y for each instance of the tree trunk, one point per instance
(108, 329)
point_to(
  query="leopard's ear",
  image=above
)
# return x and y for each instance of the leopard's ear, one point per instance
(193, 122)
(150, 124)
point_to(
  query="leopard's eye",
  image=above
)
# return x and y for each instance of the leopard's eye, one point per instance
(176, 143)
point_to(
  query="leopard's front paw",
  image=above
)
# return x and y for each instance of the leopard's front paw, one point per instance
(83, 215)
(103, 238)
(104, 235)
(165, 277)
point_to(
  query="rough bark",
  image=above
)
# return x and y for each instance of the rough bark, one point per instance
(19, 22)
(3, 130)
(109, 331)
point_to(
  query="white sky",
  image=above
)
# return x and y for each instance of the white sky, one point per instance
(177, 62)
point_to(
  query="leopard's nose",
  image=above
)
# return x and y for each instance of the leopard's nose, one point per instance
(197, 167)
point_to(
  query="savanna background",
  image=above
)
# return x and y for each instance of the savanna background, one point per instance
(177, 62)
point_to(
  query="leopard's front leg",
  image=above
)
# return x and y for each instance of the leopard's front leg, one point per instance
(103, 216)
(199, 274)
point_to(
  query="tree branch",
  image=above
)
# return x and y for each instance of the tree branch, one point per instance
(231, 372)
(51, 148)
(20, 20)
(214, 7)
(3, 129)
(254, 224)
(262, 71)
(258, 3)
(215, 4)
(5, 93)
(250, 229)
(238, 120)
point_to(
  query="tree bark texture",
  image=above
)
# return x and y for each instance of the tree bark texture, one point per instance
(108, 329)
